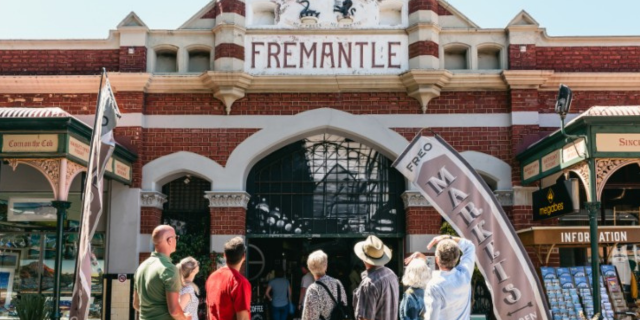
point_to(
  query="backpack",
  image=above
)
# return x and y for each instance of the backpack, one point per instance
(339, 311)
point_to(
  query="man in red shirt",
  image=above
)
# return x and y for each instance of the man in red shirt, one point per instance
(228, 291)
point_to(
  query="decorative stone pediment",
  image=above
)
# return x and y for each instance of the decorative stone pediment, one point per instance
(227, 86)
(414, 199)
(227, 199)
(424, 85)
(152, 199)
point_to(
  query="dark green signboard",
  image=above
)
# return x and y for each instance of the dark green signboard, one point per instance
(557, 200)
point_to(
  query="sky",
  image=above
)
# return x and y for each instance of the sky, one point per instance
(92, 19)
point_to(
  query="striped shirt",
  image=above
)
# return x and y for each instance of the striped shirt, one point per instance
(377, 296)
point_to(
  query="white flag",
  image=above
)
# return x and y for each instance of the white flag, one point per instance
(101, 149)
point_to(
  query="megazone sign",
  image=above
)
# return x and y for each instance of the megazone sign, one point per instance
(454, 188)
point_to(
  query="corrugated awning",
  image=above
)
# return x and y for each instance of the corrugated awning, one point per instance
(34, 113)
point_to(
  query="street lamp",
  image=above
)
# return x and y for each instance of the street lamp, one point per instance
(563, 103)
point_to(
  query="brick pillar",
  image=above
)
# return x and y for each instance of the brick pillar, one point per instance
(422, 222)
(522, 57)
(133, 59)
(150, 217)
(229, 35)
(424, 36)
(228, 216)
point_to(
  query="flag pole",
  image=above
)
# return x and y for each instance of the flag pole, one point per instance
(56, 315)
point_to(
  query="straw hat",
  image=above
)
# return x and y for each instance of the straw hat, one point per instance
(373, 251)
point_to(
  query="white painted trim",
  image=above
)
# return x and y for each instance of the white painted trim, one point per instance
(465, 120)
(524, 118)
(490, 166)
(552, 120)
(167, 168)
(144, 243)
(127, 119)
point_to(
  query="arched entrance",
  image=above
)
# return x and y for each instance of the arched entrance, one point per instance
(323, 192)
(187, 211)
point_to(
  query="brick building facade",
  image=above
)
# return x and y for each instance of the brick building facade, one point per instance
(214, 97)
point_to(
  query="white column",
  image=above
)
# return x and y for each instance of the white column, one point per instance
(124, 228)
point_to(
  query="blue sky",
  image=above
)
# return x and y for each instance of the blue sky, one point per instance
(91, 19)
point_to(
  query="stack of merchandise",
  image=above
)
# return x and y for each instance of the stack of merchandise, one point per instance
(615, 290)
(569, 292)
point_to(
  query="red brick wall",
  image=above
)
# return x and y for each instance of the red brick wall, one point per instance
(520, 134)
(490, 140)
(131, 139)
(197, 103)
(589, 59)
(58, 62)
(229, 50)
(129, 102)
(522, 60)
(228, 220)
(583, 100)
(150, 218)
(433, 5)
(524, 100)
(229, 6)
(575, 59)
(211, 14)
(215, 144)
(422, 220)
(424, 48)
(136, 62)
(75, 104)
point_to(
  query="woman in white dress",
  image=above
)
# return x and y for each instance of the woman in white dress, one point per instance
(189, 268)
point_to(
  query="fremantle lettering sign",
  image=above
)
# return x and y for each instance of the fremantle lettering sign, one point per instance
(326, 54)
(458, 193)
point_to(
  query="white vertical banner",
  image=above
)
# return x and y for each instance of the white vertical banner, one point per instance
(460, 195)
(101, 149)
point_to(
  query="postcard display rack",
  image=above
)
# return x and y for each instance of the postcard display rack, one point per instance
(570, 295)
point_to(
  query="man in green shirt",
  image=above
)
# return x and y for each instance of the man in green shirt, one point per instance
(157, 281)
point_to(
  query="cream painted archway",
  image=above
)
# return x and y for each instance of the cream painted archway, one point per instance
(167, 168)
(363, 128)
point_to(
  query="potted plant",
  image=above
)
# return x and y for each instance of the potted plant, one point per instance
(32, 307)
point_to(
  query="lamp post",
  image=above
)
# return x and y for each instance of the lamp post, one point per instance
(563, 103)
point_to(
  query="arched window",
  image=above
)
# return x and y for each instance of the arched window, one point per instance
(166, 60)
(456, 57)
(325, 185)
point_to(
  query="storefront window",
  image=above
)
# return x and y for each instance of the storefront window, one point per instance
(28, 250)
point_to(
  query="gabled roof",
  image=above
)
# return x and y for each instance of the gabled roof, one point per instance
(132, 21)
(458, 14)
(523, 18)
(192, 23)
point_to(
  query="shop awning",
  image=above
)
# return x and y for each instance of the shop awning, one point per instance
(578, 236)
(545, 239)
(28, 134)
(605, 132)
